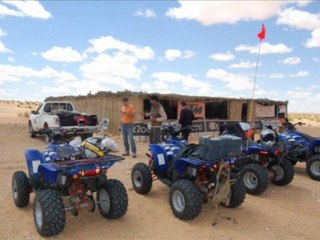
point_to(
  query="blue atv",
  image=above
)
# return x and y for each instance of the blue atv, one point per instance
(194, 172)
(60, 171)
(266, 160)
(302, 148)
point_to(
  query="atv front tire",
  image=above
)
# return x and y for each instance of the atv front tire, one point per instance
(185, 200)
(255, 178)
(141, 178)
(113, 199)
(49, 212)
(313, 167)
(238, 192)
(20, 189)
(283, 172)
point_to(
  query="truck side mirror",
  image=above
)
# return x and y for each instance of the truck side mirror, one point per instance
(33, 112)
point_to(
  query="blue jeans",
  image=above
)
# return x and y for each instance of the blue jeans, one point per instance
(127, 135)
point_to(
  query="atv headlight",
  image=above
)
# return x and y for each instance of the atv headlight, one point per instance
(317, 149)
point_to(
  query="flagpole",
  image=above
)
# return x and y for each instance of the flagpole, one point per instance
(254, 88)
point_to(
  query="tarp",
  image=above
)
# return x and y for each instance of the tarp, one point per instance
(265, 111)
(198, 108)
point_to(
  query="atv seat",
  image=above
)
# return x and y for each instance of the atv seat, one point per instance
(307, 137)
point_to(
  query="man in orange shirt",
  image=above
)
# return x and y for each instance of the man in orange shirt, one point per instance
(128, 113)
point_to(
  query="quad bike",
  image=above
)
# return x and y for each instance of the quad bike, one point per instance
(302, 148)
(195, 173)
(61, 172)
(267, 160)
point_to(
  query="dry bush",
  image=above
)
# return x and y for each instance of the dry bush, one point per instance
(27, 114)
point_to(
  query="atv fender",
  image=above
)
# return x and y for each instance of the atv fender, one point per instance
(159, 157)
(34, 158)
(313, 144)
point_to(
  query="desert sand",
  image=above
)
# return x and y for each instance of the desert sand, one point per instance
(290, 212)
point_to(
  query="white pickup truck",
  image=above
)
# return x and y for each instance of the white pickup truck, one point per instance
(62, 115)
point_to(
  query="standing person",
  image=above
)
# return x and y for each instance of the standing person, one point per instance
(128, 113)
(157, 116)
(186, 118)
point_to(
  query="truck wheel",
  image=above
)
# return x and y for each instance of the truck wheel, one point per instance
(313, 167)
(32, 133)
(283, 172)
(185, 200)
(20, 189)
(255, 178)
(48, 212)
(141, 178)
(238, 192)
(113, 199)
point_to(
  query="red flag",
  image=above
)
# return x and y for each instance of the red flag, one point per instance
(262, 34)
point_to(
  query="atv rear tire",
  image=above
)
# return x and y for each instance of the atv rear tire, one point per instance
(32, 133)
(238, 192)
(255, 178)
(113, 199)
(313, 167)
(141, 178)
(20, 189)
(185, 200)
(48, 212)
(284, 172)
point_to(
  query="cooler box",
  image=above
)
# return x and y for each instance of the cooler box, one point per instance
(214, 149)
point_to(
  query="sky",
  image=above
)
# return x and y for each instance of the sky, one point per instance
(203, 48)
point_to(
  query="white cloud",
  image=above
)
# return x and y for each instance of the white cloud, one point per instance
(299, 19)
(4, 49)
(291, 60)
(234, 81)
(113, 70)
(218, 12)
(223, 57)
(266, 48)
(182, 82)
(75, 88)
(32, 9)
(5, 11)
(172, 54)
(266, 93)
(11, 59)
(58, 54)
(188, 54)
(246, 64)
(171, 77)
(5, 93)
(31, 83)
(314, 41)
(277, 75)
(148, 13)
(2, 33)
(298, 94)
(17, 73)
(299, 74)
(34, 54)
(316, 59)
(102, 44)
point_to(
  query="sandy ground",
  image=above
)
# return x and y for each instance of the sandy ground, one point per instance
(290, 212)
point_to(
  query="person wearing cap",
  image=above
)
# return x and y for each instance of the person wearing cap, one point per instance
(157, 116)
(185, 120)
(127, 118)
